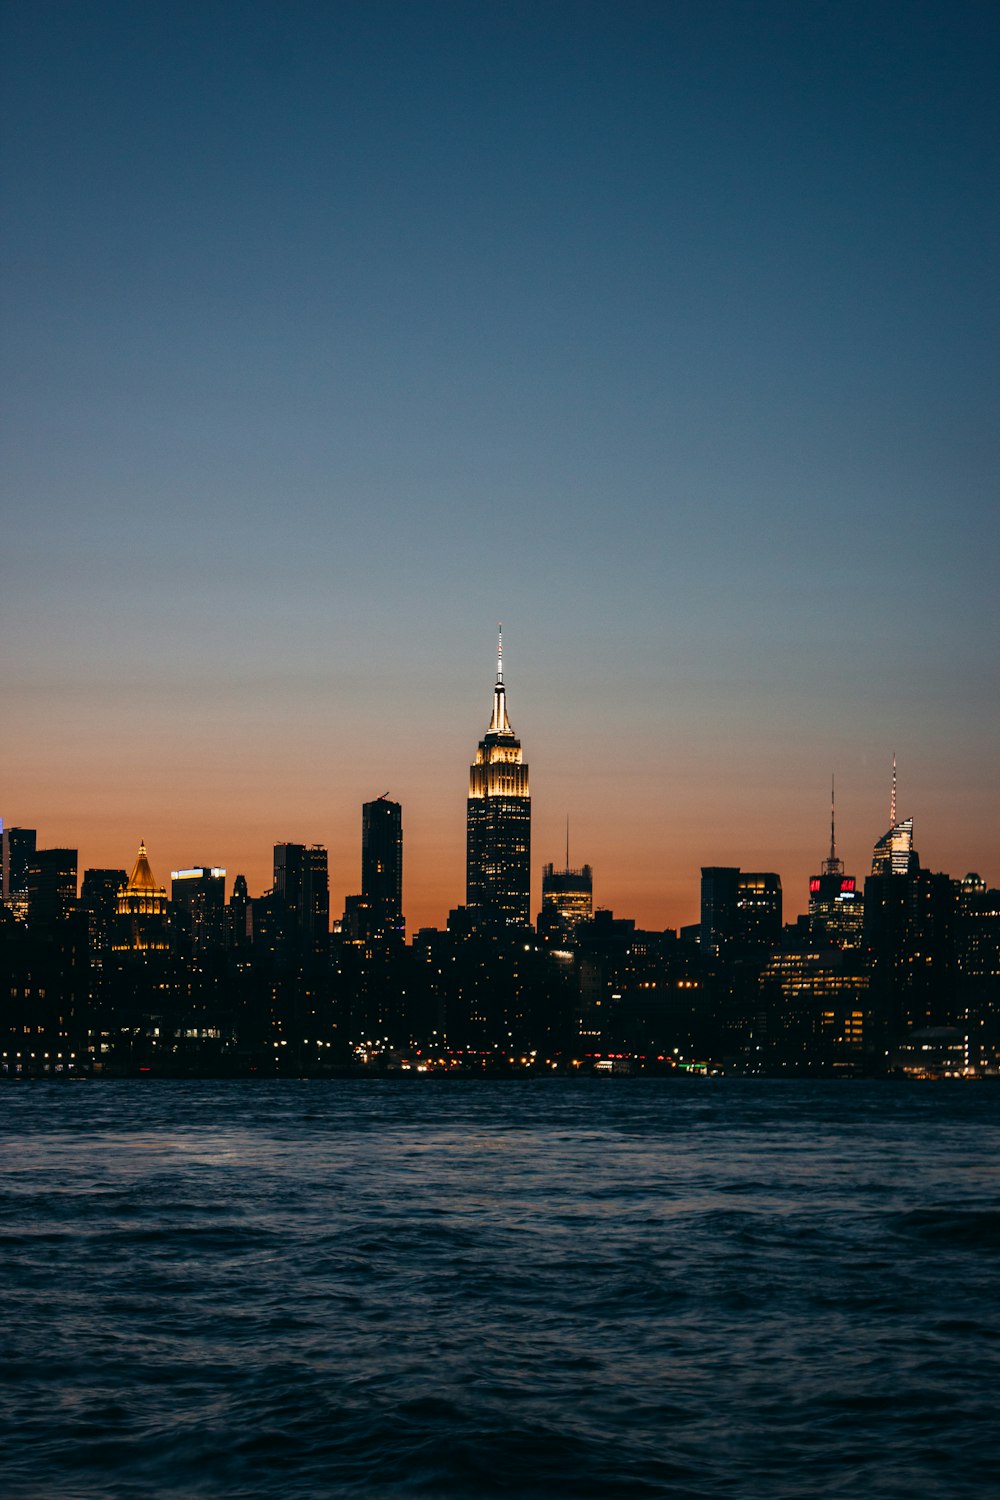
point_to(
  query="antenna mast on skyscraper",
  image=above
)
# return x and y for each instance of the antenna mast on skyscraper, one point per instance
(892, 799)
(567, 843)
(833, 865)
(833, 820)
(499, 653)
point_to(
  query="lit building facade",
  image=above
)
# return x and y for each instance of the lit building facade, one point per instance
(17, 849)
(498, 824)
(567, 900)
(894, 853)
(142, 919)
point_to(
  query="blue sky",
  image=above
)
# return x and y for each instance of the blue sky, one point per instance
(665, 333)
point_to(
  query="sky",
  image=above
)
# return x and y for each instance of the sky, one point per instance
(667, 334)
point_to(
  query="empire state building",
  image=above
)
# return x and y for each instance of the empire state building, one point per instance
(498, 823)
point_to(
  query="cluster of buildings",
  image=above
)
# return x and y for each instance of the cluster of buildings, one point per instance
(118, 976)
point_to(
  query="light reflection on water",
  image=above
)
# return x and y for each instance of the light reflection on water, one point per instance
(460, 1289)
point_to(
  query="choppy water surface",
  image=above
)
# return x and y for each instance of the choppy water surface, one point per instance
(701, 1288)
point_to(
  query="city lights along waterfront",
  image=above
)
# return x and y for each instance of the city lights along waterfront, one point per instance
(116, 976)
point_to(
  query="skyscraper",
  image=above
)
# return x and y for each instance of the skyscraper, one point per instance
(740, 910)
(199, 899)
(51, 885)
(301, 903)
(382, 867)
(836, 909)
(567, 900)
(498, 823)
(894, 853)
(17, 849)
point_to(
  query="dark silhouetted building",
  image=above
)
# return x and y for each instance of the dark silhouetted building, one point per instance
(51, 885)
(239, 915)
(199, 899)
(382, 868)
(758, 909)
(719, 893)
(301, 903)
(99, 899)
(498, 825)
(740, 910)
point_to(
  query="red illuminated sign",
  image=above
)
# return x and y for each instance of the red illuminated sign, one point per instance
(847, 884)
(814, 885)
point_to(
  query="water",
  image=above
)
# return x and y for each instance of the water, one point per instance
(437, 1288)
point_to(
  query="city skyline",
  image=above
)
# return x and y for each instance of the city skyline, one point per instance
(665, 334)
(351, 877)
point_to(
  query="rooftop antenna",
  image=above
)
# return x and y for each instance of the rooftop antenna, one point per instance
(499, 723)
(892, 799)
(833, 820)
(833, 866)
(567, 843)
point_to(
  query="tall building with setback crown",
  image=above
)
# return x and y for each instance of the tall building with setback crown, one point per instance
(894, 853)
(498, 823)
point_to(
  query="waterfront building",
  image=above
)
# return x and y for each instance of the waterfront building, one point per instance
(498, 824)
(301, 903)
(739, 910)
(894, 853)
(836, 909)
(199, 899)
(51, 885)
(239, 916)
(99, 900)
(758, 909)
(17, 849)
(567, 900)
(717, 930)
(382, 868)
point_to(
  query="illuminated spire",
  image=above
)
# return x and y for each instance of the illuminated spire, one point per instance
(499, 723)
(142, 878)
(892, 798)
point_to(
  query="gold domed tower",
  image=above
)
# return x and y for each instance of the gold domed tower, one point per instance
(142, 911)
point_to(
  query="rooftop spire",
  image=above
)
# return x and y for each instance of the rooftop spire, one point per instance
(833, 819)
(499, 723)
(892, 798)
(833, 865)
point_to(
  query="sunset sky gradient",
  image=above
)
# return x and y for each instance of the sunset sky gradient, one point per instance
(667, 334)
